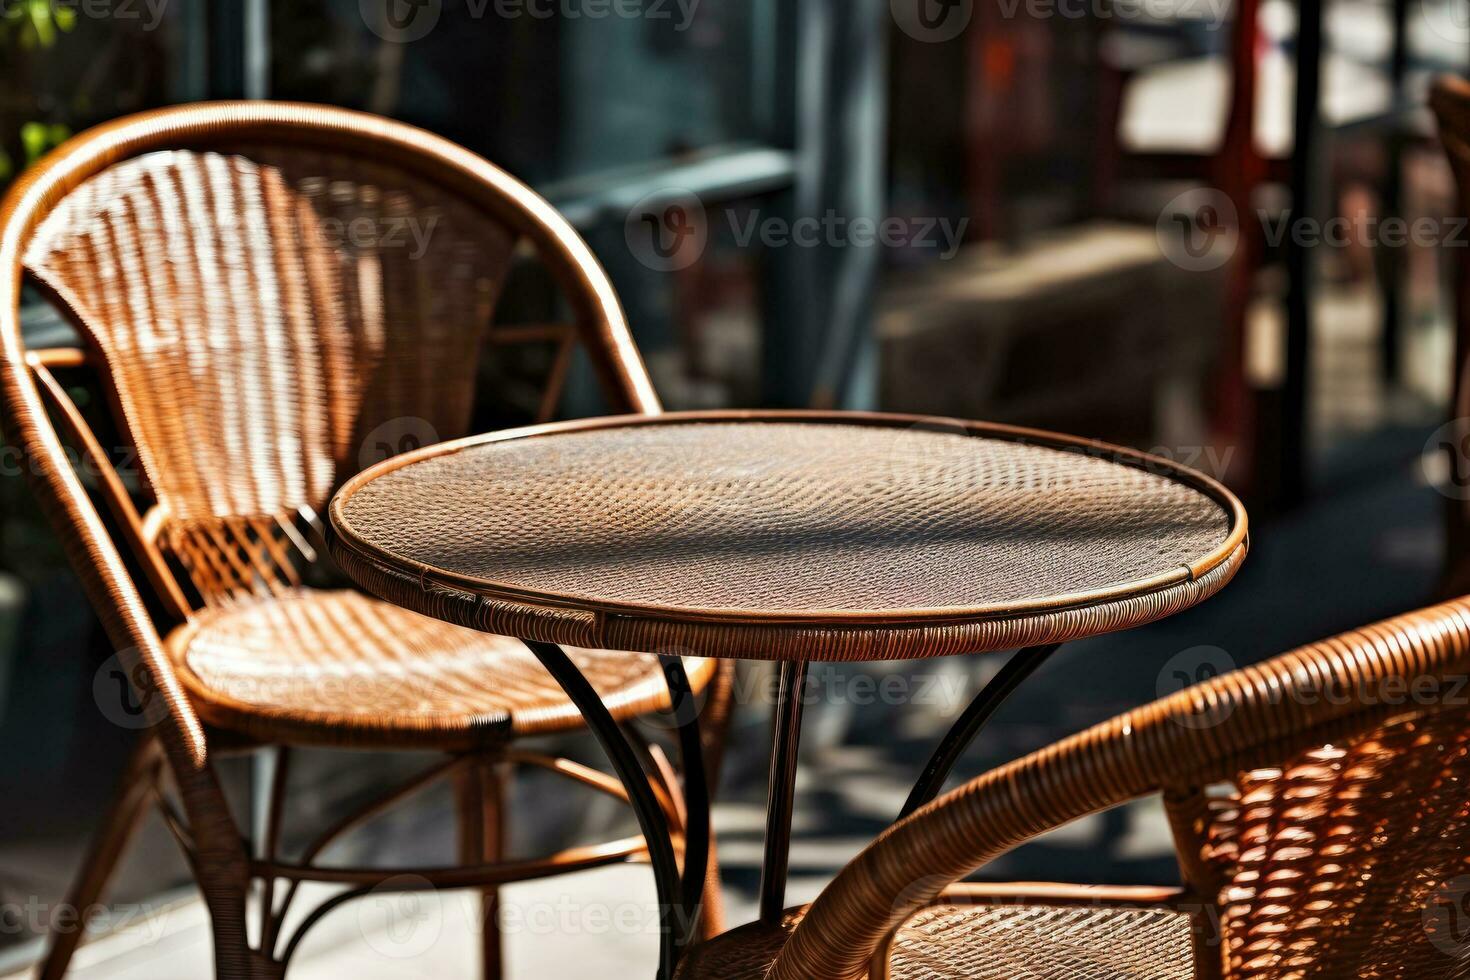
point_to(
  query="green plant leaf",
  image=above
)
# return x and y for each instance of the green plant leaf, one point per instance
(33, 139)
(35, 23)
(42, 23)
(38, 138)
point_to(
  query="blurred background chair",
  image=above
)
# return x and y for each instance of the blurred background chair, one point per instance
(1319, 807)
(275, 296)
(1450, 100)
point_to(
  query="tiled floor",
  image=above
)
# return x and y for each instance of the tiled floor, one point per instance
(553, 929)
(597, 918)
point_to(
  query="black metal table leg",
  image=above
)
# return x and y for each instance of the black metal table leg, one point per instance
(685, 710)
(781, 796)
(651, 820)
(969, 724)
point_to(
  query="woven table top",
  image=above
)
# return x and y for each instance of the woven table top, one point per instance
(774, 535)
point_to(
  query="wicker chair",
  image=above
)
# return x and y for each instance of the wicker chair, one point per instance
(263, 311)
(1320, 807)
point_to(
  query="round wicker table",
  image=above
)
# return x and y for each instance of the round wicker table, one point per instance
(787, 536)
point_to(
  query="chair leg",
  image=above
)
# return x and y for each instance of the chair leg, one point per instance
(712, 910)
(233, 957)
(120, 823)
(480, 791)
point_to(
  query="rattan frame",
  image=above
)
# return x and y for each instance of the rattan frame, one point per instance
(178, 744)
(1258, 717)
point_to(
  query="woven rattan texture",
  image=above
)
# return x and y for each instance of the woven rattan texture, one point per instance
(271, 319)
(1351, 826)
(785, 517)
(1005, 942)
(778, 641)
(1343, 862)
(959, 942)
(334, 667)
(745, 953)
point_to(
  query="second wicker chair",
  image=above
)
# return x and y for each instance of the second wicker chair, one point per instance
(1320, 804)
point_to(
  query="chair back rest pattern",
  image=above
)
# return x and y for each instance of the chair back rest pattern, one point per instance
(272, 314)
(245, 333)
(1320, 802)
(1346, 859)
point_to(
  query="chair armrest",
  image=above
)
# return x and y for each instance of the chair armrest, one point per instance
(1065, 895)
(1212, 731)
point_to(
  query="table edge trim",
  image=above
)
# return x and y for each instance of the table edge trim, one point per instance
(342, 536)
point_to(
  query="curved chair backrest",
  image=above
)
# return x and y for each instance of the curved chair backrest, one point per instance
(240, 272)
(277, 294)
(1333, 854)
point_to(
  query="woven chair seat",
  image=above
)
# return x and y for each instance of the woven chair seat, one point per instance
(341, 668)
(989, 942)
